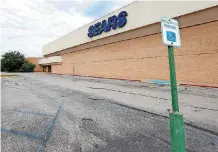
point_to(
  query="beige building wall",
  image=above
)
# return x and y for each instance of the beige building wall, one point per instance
(146, 58)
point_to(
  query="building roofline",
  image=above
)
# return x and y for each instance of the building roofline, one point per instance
(90, 23)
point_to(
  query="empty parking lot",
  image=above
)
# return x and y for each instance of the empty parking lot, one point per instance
(40, 116)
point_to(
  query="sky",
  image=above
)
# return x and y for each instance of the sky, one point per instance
(27, 25)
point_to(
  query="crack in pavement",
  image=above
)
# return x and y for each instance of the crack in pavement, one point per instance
(199, 107)
(152, 97)
(188, 123)
(129, 93)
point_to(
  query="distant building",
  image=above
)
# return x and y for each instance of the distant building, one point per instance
(35, 60)
(127, 44)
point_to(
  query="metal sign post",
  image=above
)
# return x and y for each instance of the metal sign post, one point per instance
(171, 38)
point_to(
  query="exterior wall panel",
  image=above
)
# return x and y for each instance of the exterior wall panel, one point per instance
(146, 58)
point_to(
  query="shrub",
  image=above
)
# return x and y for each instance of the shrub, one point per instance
(27, 67)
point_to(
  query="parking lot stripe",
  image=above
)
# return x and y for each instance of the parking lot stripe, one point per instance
(20, 133)
(49, 131)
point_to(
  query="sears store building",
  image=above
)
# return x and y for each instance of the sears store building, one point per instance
(127, 44)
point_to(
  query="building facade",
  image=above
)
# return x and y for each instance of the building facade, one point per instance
(127, 44)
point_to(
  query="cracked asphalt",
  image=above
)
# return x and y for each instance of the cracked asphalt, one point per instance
(38, 116)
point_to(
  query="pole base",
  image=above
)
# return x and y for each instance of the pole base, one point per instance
(177, 132)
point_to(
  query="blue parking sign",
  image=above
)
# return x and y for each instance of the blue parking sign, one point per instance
(171, 36)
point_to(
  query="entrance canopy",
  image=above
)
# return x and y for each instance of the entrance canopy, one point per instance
(50, 60)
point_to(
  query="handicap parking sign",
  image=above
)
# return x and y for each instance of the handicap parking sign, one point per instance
(170, 32)
(171, 36)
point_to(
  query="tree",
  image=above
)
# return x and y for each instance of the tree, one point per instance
(12, 61)
(2, 68)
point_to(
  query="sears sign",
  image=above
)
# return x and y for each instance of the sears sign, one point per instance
(105, 26)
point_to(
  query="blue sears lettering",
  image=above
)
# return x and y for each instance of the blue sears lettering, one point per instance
(105, 26)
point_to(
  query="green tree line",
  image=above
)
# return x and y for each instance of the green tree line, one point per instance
(14, 61)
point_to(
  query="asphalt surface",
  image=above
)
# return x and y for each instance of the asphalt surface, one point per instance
(37, 116)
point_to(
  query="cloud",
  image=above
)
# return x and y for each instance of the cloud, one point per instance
(27, 25)
(98, 9)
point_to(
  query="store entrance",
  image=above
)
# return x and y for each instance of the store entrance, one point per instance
(49, 68)
(44, 68)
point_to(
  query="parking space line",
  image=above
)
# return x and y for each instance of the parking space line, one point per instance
(49, 131)
(20, 133)
(42, 139)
